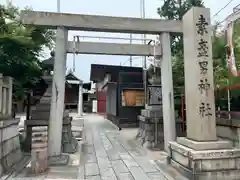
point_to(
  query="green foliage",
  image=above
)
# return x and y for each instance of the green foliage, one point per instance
(20, 49)
(221, 73)
(174, 10)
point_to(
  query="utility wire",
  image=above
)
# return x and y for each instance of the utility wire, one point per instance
(236, 12)
(229, 2)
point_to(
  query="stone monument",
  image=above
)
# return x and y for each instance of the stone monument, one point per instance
(151, 120)
(201, 156)
(40, 115)
(39, 151)
(10, 153)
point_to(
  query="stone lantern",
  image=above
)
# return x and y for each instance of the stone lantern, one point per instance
(40, 116)
(151, 120)
(48, 64)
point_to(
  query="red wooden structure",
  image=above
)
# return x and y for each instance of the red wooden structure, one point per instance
(101, 99)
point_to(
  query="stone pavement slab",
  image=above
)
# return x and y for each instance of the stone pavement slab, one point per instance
(94, 178)
(108, 174)
(119, 167)
(139, 174)
(91, 169)
(125, 176)
(62, 172)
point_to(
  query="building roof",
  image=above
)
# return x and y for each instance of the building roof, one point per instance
(98, 71)
(71, 76)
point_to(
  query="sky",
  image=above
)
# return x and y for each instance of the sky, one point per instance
(125, 8)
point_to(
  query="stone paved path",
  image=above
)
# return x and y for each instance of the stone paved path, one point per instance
(108, 156)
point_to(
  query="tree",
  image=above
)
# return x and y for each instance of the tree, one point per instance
(20, 49)
(222, 76)
(174, 10)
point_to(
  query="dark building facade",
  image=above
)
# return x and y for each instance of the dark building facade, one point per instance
(124, 92)
(72, 93)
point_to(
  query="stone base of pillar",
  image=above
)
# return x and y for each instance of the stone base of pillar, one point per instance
(39, 152)
(205, 160)
(151, 121)
(148, 120)
(69, 142)
(61, 160)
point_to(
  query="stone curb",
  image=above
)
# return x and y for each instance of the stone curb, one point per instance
(17, 168)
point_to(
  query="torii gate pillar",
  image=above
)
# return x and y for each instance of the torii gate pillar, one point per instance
(58, 94)
(169, 121)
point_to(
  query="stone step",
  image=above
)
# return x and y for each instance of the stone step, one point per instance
(45, 100)
(149, 119)
(36, 122)
(152, 113)
(45, 122)
(48, 93)
(142, 118)
(169, 172)
(43, 107)
(77, 132)
(40, 115)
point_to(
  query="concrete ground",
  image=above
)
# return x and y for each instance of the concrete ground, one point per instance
(111, 154)
(108, 154)
(129, 134)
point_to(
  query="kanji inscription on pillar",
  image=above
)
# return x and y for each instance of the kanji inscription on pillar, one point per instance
(198, 67)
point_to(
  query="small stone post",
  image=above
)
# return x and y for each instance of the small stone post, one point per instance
(1, 92)
(4, 102)
(39, 153)
(80, 99)
(9, 96)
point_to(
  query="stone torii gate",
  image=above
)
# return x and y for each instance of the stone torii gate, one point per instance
(64, 22)
(201, 155)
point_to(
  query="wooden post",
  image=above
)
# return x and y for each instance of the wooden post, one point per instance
(9, 96)
(4, 102)
(1, 93)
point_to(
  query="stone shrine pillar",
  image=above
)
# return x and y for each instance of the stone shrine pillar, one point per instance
(80, 99)
(201, 155)
(58, 94)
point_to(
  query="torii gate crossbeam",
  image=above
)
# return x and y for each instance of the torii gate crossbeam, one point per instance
(84, 22)
(101, 48)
